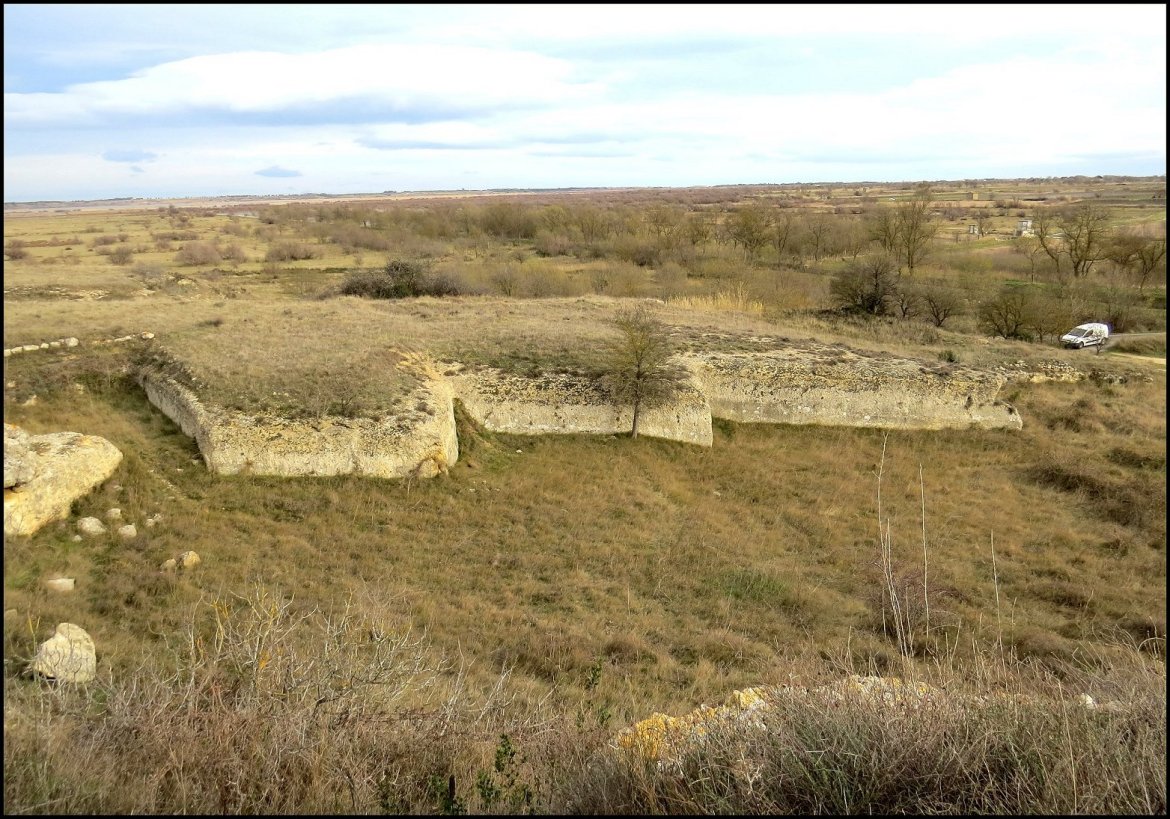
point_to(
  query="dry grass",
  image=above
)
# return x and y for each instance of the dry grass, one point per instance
(601, 579)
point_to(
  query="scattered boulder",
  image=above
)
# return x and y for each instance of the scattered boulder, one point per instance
(153, 520)
(168, 565)
(114, 514)
(65, 466)
(665, 740)
(60, 584)
(188, 560)
(91, 526)
(68, 656)
(127, 532)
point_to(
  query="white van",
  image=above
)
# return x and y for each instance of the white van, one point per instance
(1086, 335)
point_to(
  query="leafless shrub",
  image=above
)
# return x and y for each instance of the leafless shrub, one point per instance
(291, 251)
(198, 253)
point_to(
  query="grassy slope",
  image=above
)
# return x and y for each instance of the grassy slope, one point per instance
(630, 575)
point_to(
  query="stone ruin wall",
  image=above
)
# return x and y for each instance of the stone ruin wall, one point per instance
(557, 404)
(787, 387)
(783, 388)
(234, 442)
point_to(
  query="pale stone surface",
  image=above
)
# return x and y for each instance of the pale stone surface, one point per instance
(665, 739)
(564, 403)
(68, 656)
(169, 565)
(423, 445)
(71, 342)
(90, 526)
(835, 386)
(127, 532)
(66, 466)
(60, 584)
(18, 460)
(114, 514)
(768, 380)
(188, 560)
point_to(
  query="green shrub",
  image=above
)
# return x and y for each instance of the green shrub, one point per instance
(400, 279)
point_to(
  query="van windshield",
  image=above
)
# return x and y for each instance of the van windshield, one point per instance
(1078, 333)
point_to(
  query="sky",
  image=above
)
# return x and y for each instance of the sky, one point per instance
(163, 101)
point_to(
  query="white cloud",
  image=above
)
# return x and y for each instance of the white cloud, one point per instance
(416, 79)
(376, 97)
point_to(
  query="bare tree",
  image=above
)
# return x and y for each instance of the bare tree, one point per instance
(982, 221)
(1136, 255)
(853, 238)
(749, 226)
(697, 229)
(1030, 248)
(868, 285)
(940, 303)
(906, 230)
(1008, 314)
(818, 228)
(783, 230)
(638, 370)
(1047, 232)
(915, 229)
(1079, 234)
(1086, 230)
(883, 229)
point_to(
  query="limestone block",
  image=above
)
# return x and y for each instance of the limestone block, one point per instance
(18, 460)
(60, 584)
(66, 466)
(420, 445)
(91, 526)
(68, 656)
(127, 532)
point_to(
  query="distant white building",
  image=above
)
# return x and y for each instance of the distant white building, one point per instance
(1024, 227)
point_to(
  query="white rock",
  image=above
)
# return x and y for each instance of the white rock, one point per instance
(147, 336)
(71, 342)
(76, 538)
(60, 584)
(90, 526)
(168, 565)
(20, 461)
(68, 656)
(128, 532)
(188, 560)
(114, 514)
(28, 348)
(67, 465)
